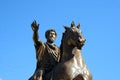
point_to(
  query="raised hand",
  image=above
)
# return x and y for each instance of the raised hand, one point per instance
(35, 26)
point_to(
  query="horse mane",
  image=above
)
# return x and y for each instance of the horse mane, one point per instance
(64, 37)
(61, 47)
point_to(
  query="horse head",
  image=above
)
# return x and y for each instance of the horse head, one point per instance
(73, 36)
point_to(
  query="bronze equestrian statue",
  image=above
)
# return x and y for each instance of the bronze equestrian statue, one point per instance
(71, 65)
(47, 54)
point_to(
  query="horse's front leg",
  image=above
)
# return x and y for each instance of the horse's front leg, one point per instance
(39, 78)
(38, 75)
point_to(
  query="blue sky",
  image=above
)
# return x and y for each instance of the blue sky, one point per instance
(100, 24)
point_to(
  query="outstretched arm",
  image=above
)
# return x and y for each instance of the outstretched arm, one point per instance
(35, 28)
(37, 43)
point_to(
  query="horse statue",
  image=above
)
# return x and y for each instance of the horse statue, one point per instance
(72, 65)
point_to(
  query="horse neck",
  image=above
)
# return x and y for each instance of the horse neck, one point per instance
(66, 51)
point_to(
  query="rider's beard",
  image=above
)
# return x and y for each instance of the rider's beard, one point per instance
(51, 39)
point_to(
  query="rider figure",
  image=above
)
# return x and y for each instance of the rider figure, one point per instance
(47, 54)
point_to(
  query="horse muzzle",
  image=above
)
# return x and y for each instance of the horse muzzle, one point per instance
(80, 42)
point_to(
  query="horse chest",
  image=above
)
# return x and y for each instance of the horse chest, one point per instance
(73, 67)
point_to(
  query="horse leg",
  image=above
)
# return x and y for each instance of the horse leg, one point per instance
(34, 77)
(38, 75)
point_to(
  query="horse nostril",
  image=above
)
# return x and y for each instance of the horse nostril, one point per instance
(84, 40)
(79, 40)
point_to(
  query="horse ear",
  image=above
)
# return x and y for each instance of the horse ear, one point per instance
(78, 26)
(72, 24)
(66, 28)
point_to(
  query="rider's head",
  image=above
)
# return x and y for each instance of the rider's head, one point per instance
(50, 35)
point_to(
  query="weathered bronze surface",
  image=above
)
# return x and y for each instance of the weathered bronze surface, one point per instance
(68, 64)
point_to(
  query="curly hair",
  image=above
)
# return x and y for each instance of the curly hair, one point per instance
(48, 32)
